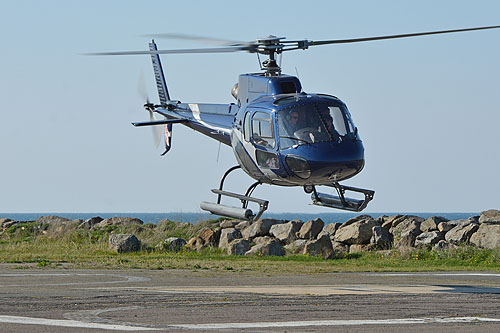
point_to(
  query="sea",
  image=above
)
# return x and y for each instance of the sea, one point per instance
(199, 217)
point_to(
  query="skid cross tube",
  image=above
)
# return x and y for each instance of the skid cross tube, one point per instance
(340, 201)
(243, 212)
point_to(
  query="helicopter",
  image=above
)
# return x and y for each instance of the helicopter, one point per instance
(280, 134)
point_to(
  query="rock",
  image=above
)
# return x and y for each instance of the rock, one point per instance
(381, 238)
(209, 236)
(320, 247)
(359, 232)
(356, 219)
(461, 233)
(286, 232)
(330, 229)
(238, 247)
(119, 221)
(242, 225)
(52, 219)
(487, 236)
(124, 243)
(5, 223)
(392, 221)
(428, 238)
(270, 248)
(172, 244)
(90, 223)
(262, 239)
(442, 245)
(311, 229)
(405, 223)
(491, 216)
(445, 227)
(406, 239)
(196, 244)
(356, 248)
(229, 224)
(340, 249)
(227, 236)
(406, 231)
(431, 224)
(259, 228)
(296, 247)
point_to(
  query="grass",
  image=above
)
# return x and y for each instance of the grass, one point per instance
(44, 247)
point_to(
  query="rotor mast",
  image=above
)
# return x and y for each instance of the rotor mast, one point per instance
(270, 46)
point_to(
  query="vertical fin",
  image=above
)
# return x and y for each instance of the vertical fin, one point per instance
(161, 84)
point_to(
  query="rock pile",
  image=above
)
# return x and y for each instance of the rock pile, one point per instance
(362, 233)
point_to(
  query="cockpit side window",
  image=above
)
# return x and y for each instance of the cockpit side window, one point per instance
(262, 130)
(246, 127)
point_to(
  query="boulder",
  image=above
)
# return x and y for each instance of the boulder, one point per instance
(340, 249)
(320, 247)
(296, 247)
(286, 232)
(90, 222)
(259, 228)
(461, 233)
(242, 225)
(381, 238)
(210, 237)
(443, 245)
(52, 219)
(356, 248)
(196, 244)
(238, 247)
(119, 221)
(172, 244)
(487, 236)
(406, 231)
(227, 236)
(330, 229)
(406, 239)
(356, 219)
(5, 223)
(269, 248)
(229, 224)
(393, 220)
(359, 232)
(431, 224)
(262, 239)
(428, 238)
(444, 227)
(311, 229)
(124, 243)
(491, 216)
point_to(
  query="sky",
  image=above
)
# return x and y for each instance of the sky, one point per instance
(427, 108)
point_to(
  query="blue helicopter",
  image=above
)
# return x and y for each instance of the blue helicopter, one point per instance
(280, 134)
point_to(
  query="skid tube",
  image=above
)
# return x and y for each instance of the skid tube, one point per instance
(243, 213)
(341, 201)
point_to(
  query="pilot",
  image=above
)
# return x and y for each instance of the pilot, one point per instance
(293, 120)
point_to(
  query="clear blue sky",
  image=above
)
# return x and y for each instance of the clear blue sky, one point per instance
(428, 109)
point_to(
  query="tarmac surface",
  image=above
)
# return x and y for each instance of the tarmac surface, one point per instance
(61, 300)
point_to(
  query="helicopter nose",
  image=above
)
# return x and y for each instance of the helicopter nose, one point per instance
(326, 162)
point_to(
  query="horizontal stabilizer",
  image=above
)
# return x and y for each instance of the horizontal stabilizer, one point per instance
(159, 122)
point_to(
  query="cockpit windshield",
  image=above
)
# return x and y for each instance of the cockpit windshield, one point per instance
(311, 123)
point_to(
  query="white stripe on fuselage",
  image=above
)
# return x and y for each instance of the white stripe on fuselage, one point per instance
(195, 109)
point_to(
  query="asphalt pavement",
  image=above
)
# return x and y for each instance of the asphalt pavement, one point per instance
(61, 300)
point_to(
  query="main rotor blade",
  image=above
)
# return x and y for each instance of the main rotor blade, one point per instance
(202, 39)
(207, 50)
(367, 39)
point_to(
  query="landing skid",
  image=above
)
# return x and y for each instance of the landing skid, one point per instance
(243, 213)
(341, 201)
